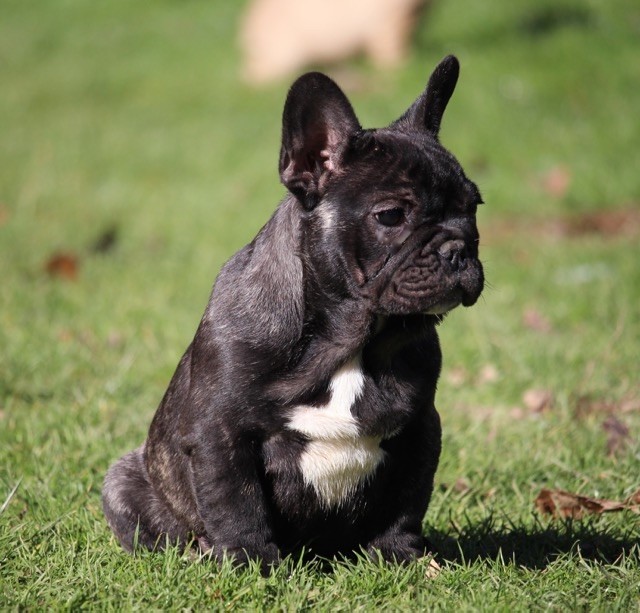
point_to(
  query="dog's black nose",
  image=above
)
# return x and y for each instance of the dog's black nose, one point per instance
(454, 252)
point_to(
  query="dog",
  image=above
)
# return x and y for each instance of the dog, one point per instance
(279, 37)
(301, 418)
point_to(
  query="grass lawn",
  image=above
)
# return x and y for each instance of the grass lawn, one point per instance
(133, 163)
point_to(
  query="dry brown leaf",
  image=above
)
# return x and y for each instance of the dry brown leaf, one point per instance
(488, 374)
(536, 321)
(457, 376)
(63, 264)
(115, 339)
(612, 223)
(556, 181)
(618, 436)
(559, 503)
(628, 405)
(461, 486)
(538, 400)
(433, 570)
(65, 335)
(634, 500)
(490, 493)
(588, 405)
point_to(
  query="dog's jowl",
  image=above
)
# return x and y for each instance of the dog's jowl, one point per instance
(302, 414)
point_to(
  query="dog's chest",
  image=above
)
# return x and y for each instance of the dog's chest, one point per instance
(337, 458)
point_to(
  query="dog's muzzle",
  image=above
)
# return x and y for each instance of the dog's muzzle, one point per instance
(434, 277)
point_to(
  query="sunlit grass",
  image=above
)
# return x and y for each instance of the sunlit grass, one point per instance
(129, 118)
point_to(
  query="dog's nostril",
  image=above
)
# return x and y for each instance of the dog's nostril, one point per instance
(453, 251)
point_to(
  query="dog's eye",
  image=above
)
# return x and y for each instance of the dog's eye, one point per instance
(390, 217)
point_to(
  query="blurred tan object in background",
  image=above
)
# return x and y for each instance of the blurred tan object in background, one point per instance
(280, 37)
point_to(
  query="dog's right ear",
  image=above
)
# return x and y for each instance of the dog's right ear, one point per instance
(426, 112)
(316, 125)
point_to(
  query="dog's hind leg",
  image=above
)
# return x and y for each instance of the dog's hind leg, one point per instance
(135, 513)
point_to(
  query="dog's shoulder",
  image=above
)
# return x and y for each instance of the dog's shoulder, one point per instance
(258, 295)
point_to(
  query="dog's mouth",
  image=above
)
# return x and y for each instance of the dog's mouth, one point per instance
(432, 277)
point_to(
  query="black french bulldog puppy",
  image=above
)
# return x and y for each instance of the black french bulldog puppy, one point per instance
(302, 414)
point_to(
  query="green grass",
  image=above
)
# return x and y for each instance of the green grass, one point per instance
(130, 116)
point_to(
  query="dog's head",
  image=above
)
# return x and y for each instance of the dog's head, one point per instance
(388, 213)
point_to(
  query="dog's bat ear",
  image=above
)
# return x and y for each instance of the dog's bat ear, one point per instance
(426, 112)
(316, 125)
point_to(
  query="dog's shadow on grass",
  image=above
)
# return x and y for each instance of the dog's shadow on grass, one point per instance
(535, 546)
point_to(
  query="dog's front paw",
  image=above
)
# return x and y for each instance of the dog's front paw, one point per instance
(398, 547)
(267, 554)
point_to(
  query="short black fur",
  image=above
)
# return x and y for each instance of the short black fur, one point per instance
(302, 414)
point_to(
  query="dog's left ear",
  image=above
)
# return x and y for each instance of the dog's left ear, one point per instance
(316, 125)
(426, 112)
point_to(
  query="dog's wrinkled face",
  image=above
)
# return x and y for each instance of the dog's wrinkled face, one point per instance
(390, 212)
(403, 218)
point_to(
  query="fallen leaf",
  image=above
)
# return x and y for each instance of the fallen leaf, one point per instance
(622, 222)
(538, 400)
(115, 339)
(618, 436)
(457, 376)
(588, 405)
(63, 264)
(634, 499)
(627, 405)
(4, 214)
(433, 569)
(489, 494)
(556, 181)
(106, 241)
(461, 486)
(616, 222)
(488, 374)
(536, 321)
(559, 503)
(65, 335)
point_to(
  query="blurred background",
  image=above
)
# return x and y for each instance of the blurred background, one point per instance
(138, 151)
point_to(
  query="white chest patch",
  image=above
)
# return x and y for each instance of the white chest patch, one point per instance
(337, 457)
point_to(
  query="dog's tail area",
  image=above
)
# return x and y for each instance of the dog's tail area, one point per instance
(133, 510)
